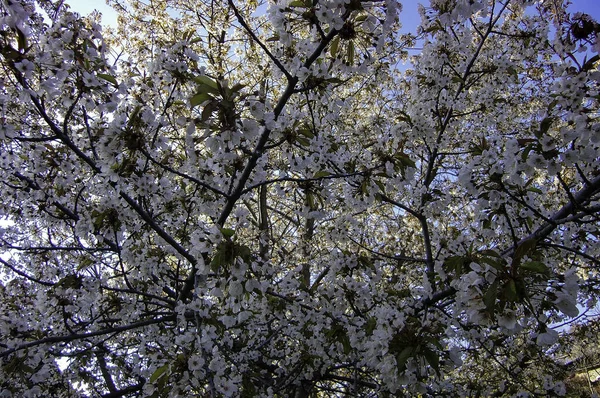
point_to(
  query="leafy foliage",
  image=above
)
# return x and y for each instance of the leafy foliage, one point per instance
(251, 198)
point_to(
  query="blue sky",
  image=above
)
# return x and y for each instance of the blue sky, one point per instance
(409, 16)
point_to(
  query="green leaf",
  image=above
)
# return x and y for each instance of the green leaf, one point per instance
(370, 326)
(350, 53)
(310, 200)
(536, 267)
(487, 223)
(526, 152)
(366, 262)
(345, 340)
(536, 190)
(545, 124)
(11, 54)
(403, 357)
(71, 281)
(158, 373)
(364, 188)
(334, 80)
(227, 232)
(297, 3)
(21, 40)
(524, 249)
(248, 386)
(435, 342)
(243, 252)
(489, 298)
(499, 265)
(237, 87)
(203, 88)
(405, 160)
(490, 253)
(207, 81)
(403, 117)
(305, 131)
(108, 78)
(302, 141)
(510, 291)
(199, 99)
(12, 365)
(208, 110)
(335, 43)
(432, 359)
(162, 384)
(216, 261)
(456, 264)
(321, 174)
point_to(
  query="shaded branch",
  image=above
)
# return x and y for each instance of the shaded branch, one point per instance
(546, 229)
(264, 137)
(242, 22)
(301, 180)
(125, 391)
(542, 232)
(183, 175)
(24, 275)
(80, 336)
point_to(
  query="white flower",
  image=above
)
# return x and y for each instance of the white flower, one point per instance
(226, 386)
(547, 338)
(228, 321)
(566, 304)
(236, 288)
(560, 389)
(26, 67)
(196, 362)
(547, 383)
(302, 74)
(252, 284)
(507, 320)
(571, 281)
(90, 80)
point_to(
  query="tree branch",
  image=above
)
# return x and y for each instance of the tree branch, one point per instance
(125, 391)
(80, 336)
(242, 22)
(24, 275)
(546, 229)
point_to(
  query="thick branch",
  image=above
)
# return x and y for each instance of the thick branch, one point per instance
(264, 137)
(105, 372)
(125, 391)
(546, 229)
(263, 223)
(426, 237)
(80, 336)
(542, 232)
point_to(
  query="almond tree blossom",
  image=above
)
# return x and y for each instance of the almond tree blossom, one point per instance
(253, 198)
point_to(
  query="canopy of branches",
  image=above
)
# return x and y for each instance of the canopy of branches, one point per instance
(264, 198)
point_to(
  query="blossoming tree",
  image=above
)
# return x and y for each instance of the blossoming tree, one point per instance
(255, 198)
